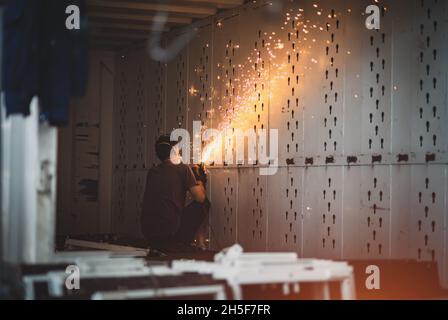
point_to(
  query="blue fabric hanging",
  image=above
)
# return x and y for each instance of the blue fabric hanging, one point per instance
(41, 57)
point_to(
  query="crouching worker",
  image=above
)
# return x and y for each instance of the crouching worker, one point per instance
(167, 224)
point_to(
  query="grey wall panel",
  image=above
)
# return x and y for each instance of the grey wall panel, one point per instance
(252, 210)
(200, 74)
(404, 108)
(85, 189)
(285, 220)
(375, 212)
(139, 120)
(120, 112)
(223, 189)
(352, 217)
(277, 45)
(315, 62)
(254, 71)
(119, 199)
(64, 215)
(428, 213)
(131, 117)
(135, 206)
(353, 50)
(134, 102)
(430, 132)
(400, 208)
(376, 87)
(325, 54)
(445, 241)
(106, 142)
(200, 78)
(155, 116)
(176, 99)
(128, 204)
(322, 212)
(226, 56)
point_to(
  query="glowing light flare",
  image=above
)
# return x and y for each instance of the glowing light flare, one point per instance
(248, 91)
(193, 91)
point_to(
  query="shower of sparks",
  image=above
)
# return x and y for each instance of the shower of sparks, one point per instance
(243, 96)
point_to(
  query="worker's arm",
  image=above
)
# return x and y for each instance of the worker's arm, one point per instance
(198, 192)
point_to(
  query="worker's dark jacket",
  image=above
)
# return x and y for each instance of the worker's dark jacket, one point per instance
(164, 199)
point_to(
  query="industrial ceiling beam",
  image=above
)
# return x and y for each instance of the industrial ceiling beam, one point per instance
(95, 40)
(193, 11)
(124, 26)
(222, 4)
(119, 35)
(137, 17)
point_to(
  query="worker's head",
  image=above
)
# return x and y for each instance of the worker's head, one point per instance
(164, 146)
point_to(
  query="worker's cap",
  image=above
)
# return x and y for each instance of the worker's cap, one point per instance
(166, 140)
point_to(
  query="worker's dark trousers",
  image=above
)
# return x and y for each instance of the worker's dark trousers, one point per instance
(192, 218)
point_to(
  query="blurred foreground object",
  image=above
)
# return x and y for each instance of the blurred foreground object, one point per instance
(41, 57)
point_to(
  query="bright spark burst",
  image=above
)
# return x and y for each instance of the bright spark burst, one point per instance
(243, 97)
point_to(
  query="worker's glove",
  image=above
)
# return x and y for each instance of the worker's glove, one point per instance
(200, 173)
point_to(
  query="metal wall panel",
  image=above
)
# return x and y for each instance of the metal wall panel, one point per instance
(375, 212)
(120, 112)
(400, 208)
(429, 134)
(200, 75)
(135, 184)
(285, 221)
(352, 218)
(322, 212)
(84, 188)
(428, 214)
(353, 89)
(445, 241)
(255, 71)
(376, 91)
(119, 199)
(133, 105)
(139, 120)
(252, 210)
(223, 189)
(403, 95)
(131, 116)
(360, 115)
(226, 56)
(276, 48)
(155, 86)
(86, 153)
(200, 78)
(326, 61)
(176, 100)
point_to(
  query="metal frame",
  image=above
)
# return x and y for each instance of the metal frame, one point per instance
(92, 267)
(240, 269)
